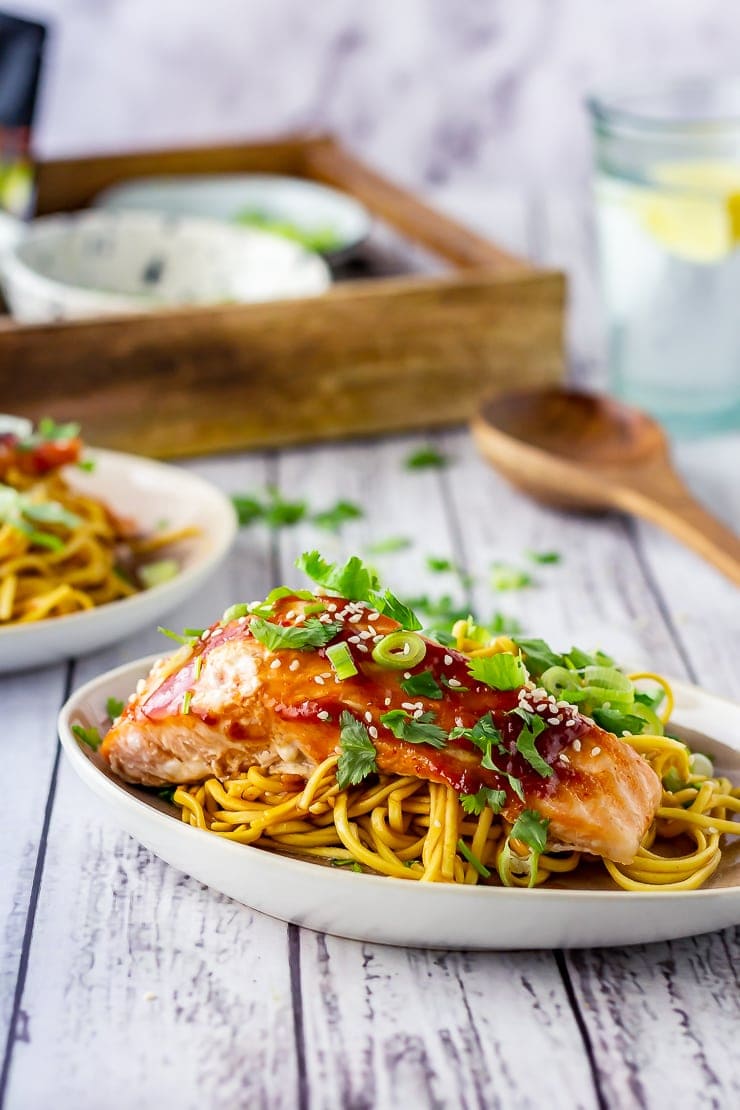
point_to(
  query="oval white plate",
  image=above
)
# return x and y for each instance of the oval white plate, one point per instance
(391, 911)
(148, 492)
(307, 204)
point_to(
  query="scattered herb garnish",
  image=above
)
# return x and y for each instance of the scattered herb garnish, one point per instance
(114, 708)
(47, 430)
(176, 636)
(274, 510)
(167, 793)
(88, 465)
(425, 457)
(440, 565)
(416, 730)
(531, 829)
(525, 742)
(504, 577)
(300, 637)
(486, 736)
(476, 803)
(88, 736)
(544, 557)
(357, 582)
(422, 685)
(358, 757)
(389, 546)
(503, 671)
(473, 860)
(332, 519)
(353, 865)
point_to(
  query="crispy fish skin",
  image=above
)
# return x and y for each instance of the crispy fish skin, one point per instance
(227, 703)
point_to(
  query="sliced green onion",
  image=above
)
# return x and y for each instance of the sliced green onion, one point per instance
(645, 713)
(473, 860)
(558, 679)
(609, 678)
(154, 574)
(187, 698)
(235, 611)
(701, 764)
(400, 650)
(341, 660)
(672, 781)
(597, 695)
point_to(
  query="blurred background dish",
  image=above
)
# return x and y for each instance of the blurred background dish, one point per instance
(103, 263)
(315, 216)
(151, 494)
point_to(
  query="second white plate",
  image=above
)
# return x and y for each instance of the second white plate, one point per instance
(390, 911)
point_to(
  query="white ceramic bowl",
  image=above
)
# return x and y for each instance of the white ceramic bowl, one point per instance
(147, 492)
(391, 911)
(306, 205)
(103, 263)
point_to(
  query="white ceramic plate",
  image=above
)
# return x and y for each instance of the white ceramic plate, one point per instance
(149, 492)
(390, 911)
(305, 204)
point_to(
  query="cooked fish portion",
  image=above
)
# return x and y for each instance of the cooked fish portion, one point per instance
(227, 703)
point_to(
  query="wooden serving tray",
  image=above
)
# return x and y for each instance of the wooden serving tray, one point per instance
(374, 355)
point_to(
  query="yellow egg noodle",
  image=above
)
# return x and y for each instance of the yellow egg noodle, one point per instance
(408, 828)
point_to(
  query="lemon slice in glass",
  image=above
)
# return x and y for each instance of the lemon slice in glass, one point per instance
(693, 209)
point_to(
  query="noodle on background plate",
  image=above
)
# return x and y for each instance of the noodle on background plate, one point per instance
(63, 551)
(409, 828)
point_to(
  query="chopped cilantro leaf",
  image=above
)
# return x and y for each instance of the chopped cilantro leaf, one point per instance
(486, 736)
(248, 509)
(332, 519)
(473, 860)
(424, 458)
(355, 580)
(389, 546)
(525, 743)
(167, 793)
(88, 465)
(392, 607)
(114, 708)
(504, 671)
(357, 760)
(501, 624)
(531, 829)
(275, 511)
(88, 736)
(504, 577)
(416, 730)
(476, 803)
(538, 655)
(422, 685)
(300, 637)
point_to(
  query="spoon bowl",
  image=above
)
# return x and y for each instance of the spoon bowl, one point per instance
(576, 450)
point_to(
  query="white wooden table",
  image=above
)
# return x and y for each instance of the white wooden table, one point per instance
(124, 983)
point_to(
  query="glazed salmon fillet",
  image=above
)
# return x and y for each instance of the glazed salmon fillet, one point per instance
(227, 702)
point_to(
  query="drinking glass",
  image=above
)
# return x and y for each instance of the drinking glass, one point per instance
(667, 191)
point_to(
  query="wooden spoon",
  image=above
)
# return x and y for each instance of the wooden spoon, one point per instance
(578, 450)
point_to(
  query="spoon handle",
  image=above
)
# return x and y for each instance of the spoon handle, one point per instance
(673, 508)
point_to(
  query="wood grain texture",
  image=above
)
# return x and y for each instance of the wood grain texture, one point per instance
(215, 379)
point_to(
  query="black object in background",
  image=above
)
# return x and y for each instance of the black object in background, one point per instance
(21, 54)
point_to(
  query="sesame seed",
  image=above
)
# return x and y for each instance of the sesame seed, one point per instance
(323, 715)
(294, 665)
(576, 745)
(407, 674)
(408, 705)
(711, 830)
(374, 616)
(553, 720)
(325, 618)
(355, 618)
(275, 664)
(373, 631)
(366, 635)
(596, 751)
(542, 707)
(240, 620)
(378, 638)
(362, 647)
(417, 713)
(140, 685)
(205, 634)
(368, 716)
(353, 639)
(387, 701)
(332, 607)
(454, 682)
(290, 615)
(571, 724)
(131, 698)
(448, 660)
(564, 758)
(318, 680)
(372, 732)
